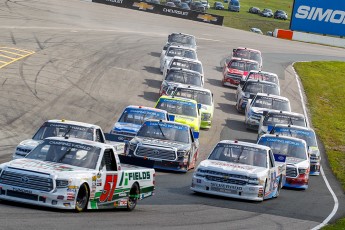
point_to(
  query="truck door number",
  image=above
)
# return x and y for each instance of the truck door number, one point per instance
(109, 188)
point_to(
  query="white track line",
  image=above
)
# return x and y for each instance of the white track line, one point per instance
(336, 202)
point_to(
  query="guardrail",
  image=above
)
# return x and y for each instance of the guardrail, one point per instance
(165, 10)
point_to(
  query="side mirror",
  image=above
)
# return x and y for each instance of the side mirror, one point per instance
(234, 50)
(265, 113)
(171, 117)
(196, 135)
(199, 106)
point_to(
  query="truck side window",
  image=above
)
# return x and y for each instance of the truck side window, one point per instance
(109, 160)
(99, 136)
(271, 160)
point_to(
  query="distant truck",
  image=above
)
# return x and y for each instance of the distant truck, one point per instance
(241, 170)
(70, 173)
(65, 128)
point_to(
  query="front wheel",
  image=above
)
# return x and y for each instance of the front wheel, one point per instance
(133, 197)
(279, 187)
(82, 198)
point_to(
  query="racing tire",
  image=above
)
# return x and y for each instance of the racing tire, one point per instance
(133, 197)
(263, 195)
(82, 198)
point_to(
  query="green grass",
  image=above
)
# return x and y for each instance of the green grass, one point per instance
(325, 93)
(340, 224)
(244, 20)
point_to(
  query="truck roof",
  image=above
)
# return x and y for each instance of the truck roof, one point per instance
(242, 143)
(145, 108)
(68, 122)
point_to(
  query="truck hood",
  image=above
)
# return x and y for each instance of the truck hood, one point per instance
(126, 127)
(29, 144)
(160, 143)
(232, 168)
(44, 166)
(297, 161)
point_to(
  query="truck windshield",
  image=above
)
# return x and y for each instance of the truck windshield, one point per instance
(178, 107)
(180, 52)
(263, 76)
(138, 116)
(276, 118)
(164, 131)
(50, 129)
(254, 87)
(240, 154)
(290, 148)
(307, 135)
(202, 97)
(243, 65)
(64, 152)
(185, 64)
(184, 78)
(182, 39)
(271, 103)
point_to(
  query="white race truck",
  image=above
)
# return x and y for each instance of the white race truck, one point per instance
(65, 128)
(70, 173)
(241, 170)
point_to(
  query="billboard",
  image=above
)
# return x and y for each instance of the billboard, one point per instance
(165, 10)
(319, 16)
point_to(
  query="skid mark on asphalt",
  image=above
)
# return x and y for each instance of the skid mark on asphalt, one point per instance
(9, 55)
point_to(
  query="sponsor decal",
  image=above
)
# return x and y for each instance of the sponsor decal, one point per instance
(173, 11)
(73, 145)
(115, 1)
(43, 165)
(143, 6)
(226, 186)
(320, 14)
(207, 18)
(22, 190)
(166, 125)
(222, 163)
(139, 176)
(109, 188)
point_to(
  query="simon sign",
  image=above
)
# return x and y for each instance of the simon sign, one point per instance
(319, 16)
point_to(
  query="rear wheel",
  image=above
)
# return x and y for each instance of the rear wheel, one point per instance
(82, 198)
(133, 197)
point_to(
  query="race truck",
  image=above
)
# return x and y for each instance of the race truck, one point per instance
(176, 51)
(171, 145)
(263, 102)
(183, 63)
(236, 70)
(180, 39)
(297, 159)
(240, 170)
(273, 117)
(182, 110)
(132, 118)
(65, 128)
(309, 136)
(70, 173)
(201, 95)
(181, 76)
(248, 53)
(261, 75)
(250, 89)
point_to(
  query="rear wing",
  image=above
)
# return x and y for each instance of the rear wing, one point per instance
(279, 157)
(142, 162)
(117, 137)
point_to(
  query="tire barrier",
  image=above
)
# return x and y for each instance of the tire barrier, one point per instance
(165, 10)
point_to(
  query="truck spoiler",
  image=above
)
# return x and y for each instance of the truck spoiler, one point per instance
(117, 137)
(279, 157)
(136, 161)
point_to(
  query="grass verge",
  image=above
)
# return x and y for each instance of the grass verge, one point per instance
(325, 93)
(244, 20)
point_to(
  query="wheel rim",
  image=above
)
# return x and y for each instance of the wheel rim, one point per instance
(132, 200)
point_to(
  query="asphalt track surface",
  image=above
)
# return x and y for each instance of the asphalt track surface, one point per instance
(92, 60)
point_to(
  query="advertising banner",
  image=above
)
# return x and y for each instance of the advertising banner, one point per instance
(165, 10)
(319, 16)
